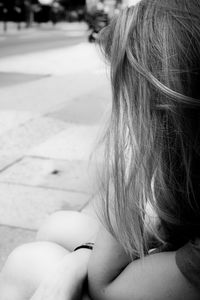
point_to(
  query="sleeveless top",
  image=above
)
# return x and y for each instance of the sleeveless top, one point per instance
(188, 261)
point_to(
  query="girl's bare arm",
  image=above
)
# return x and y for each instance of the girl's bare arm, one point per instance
(108, 257)
(112, 277)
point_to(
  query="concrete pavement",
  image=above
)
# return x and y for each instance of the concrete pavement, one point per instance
(49, 126)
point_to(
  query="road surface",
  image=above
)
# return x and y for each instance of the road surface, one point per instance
(41, 37)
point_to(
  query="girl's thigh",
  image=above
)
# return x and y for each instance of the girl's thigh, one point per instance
(26, 267)
(69, 229)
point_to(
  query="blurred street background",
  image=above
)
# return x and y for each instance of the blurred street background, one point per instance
(54, 94)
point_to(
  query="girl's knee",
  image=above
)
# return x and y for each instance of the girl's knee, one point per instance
(14, 277)
(68, 229)
(15, 264)
(27, 265)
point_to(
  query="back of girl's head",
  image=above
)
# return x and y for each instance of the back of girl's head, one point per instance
(153, 141)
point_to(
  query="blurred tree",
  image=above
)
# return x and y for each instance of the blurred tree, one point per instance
(72, 3)
(28, 9)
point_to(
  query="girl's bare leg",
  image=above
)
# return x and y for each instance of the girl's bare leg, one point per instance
(29, 264)
(69, 229)
(26, 267)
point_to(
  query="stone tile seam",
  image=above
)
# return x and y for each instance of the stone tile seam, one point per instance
(17, 227)
(86, 204)
(58, 159)
(16, 161)
(43, 187)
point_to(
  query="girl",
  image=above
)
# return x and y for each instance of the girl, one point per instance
(149, 244)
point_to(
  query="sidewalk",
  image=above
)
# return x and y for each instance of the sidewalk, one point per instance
(49, 127)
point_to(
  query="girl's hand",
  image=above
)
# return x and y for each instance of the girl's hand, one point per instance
(66, 280)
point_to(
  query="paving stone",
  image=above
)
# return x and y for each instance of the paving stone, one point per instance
(28, 134)
(87, 109)
(92, 208)
(76, 176)
(77, 142)
(10, 238)
(11, 118)
(12, 78)
(27, 207)
(51, 93)
(75, 59)
(16, 142)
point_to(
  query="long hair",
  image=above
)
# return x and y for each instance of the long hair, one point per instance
(153, 139)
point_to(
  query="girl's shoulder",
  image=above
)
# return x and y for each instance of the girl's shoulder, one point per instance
(188, 261)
